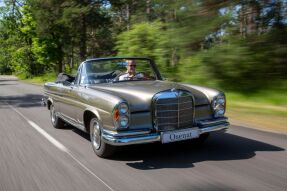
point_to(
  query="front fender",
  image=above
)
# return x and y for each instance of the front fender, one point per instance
(104, 117)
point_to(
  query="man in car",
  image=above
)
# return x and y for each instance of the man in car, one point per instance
(131, 72)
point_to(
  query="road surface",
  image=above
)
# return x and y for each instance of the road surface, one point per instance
(35, 156)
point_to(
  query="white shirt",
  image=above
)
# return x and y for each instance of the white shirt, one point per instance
(126, 76)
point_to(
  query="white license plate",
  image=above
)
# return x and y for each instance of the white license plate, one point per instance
(179, 135)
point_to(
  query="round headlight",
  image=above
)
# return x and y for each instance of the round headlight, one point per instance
(221, 100)
(219, 112)
(219, 106)
(123, 121)
(123, 108)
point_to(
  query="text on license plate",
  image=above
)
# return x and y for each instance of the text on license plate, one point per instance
(179, 135)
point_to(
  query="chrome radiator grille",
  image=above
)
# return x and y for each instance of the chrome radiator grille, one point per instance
(173, 109)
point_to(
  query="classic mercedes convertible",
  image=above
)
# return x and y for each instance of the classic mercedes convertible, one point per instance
(124, 101)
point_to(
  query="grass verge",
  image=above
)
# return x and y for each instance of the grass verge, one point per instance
(266, 110)
(40, 80)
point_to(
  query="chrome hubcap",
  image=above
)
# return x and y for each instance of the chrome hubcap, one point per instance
(96, 134)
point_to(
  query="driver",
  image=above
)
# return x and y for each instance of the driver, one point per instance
(131, 72)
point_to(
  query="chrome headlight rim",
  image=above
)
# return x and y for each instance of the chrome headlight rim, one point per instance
(219, 105)
(121, 115)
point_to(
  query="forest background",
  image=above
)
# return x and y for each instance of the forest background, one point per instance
(239, 46)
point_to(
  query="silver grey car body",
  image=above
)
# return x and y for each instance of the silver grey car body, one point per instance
(155, 108)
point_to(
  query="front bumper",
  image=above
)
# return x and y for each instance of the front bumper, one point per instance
(145, 136)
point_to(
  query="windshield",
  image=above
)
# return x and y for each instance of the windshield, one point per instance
(116, 70)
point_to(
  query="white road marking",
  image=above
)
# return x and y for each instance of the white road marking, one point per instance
(49, 137)
(57, 144)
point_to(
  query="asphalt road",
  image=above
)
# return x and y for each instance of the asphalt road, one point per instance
(35, 156)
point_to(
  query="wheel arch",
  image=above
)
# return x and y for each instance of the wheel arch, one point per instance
(87, 116)
(49, 103)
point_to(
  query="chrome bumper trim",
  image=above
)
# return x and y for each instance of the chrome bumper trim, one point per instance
(213, 122)
(149, 138)
(126, 133)
(137, 137)
(214, 128)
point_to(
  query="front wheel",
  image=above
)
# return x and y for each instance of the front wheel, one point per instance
(57, 122)
(101, 148)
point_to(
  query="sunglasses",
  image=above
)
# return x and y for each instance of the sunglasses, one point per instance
(132, 65)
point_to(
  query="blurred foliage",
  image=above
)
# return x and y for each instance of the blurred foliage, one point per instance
(146, 40)
(235, 45)
(251, 63)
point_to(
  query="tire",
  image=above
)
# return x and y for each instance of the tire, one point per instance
(101, 148)
(57, 122)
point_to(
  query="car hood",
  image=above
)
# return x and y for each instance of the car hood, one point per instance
(140, 93)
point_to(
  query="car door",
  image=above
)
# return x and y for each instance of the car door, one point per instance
(69, 101)
(80, 96)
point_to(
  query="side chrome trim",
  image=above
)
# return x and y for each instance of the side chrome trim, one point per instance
(67, 120)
